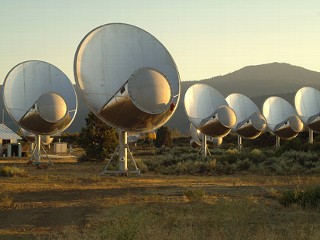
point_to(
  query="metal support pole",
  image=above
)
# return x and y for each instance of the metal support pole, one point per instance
(204, 145)
(123, 156)
(310, 136)
(122, 149)
(45, 152)
(239, 143)
(38, 149)
(277, 142)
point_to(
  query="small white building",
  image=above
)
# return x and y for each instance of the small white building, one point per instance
(9, 146)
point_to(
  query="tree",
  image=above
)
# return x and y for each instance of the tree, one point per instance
(97, 139)
(163, 137)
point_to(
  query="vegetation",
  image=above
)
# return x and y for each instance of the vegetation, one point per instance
(185, 160)
(12, 171)
(6, 202)
(195, 195)
(70, 138)
(163, 137)
(225, 220)
(308, 198)
(84, 205)
(97, 139)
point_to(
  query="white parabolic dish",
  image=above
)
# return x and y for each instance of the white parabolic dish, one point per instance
(208, 111)
(197, 138)
(127, 77)
(281, 118)
(307, 103)
(250, 122)
(39, 97)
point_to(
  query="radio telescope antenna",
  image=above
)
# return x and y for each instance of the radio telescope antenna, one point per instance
(307, 103)
(208, 111)
(128, 79)
(197, 139)
(250, 122)
(282, 119)
(31, 137)
(40, 99)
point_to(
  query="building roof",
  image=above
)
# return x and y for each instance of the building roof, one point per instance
(7, 133)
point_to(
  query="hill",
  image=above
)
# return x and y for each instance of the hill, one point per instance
(257, 82)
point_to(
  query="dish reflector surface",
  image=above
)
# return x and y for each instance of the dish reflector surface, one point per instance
(250, 122)
(208, 111)
(39, 97)
(127, 77)
(307, 103)
(281, 118)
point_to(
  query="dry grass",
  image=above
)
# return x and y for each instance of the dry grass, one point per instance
(72, 201)
(6, 202)
(12, 171)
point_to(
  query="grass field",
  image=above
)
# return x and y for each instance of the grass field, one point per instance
(71, 200)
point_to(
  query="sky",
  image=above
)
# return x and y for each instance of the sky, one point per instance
(206, 38)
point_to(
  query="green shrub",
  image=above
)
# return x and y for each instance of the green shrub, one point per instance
(300, 157)
(182, 150)
(243, 165)
(228, 158)
(232, 151)
(143, 167)
(195, 195)
(11, 171)
(225, 168)
(308, 198)
(256, 152)
(149, 152)
(217, 151)
(186, 161)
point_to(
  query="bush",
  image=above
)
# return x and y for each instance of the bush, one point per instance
(195, 195)
(8, 171)
(6, 202)
(187, 161)
(256, 152)
(309, 198)
(140, 164)
(243, 165)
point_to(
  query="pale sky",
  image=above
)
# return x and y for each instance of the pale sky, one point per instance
(206, 38)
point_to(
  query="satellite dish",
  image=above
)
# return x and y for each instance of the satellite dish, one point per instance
(127, 78)
(197, 137)
(40, 99)
(250, 122)
(208, 111)
(281, 118)
(307, 103)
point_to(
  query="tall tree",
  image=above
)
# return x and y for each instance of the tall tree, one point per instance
(97, 139)
(163, 137)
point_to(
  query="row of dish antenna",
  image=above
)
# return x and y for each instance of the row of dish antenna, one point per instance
(212, 115)
(126, 76)
(129, 80)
